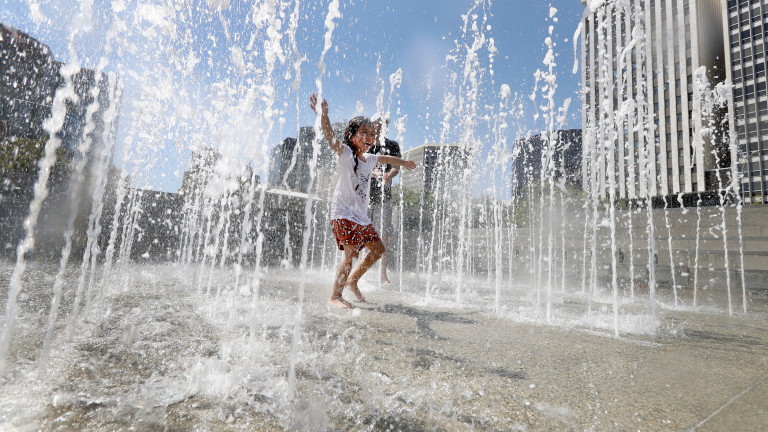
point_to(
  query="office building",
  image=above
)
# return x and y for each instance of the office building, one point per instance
(746, 23)
(438, 168)
(290, 163)
(643, 123)
(565, 154)
(30, 77)
(29, 80)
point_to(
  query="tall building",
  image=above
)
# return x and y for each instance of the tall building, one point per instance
(566, 160)
(29, 77)
(746, 23)
(290, 163)
(437, 165)
(642, 122)
(29, 80)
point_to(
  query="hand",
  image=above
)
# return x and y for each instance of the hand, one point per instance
(313, 104)
(409, 165)
(389, 176)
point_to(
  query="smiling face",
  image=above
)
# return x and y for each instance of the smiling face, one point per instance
(364, 138)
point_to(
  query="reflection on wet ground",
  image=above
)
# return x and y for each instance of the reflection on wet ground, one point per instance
(154, 353)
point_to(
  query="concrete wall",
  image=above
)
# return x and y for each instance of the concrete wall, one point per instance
(631, 244)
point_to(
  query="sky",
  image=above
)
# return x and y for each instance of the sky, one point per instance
(237, 75)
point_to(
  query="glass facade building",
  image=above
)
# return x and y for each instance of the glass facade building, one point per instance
(745, 23)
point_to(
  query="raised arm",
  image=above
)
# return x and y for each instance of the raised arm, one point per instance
(392, 160)
(325, 123)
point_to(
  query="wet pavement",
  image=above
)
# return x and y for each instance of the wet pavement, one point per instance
(475, 371)
(154, 353)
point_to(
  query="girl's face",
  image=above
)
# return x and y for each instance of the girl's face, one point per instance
(364, 138)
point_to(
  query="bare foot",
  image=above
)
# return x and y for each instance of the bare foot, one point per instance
(385, 281)
(356, 291)
(340, 303)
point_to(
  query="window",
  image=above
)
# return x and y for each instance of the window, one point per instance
(759, 51)
(762, 107)
(749, 91)
(750, 109)
(759, 69)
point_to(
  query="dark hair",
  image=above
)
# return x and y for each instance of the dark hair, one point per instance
(354, 124)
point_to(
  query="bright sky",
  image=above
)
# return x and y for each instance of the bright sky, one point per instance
(196, 73)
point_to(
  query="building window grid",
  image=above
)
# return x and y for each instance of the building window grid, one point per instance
(742, 43)
(763, 110)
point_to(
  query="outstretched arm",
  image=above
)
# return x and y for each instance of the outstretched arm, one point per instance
(392, 160)
(325, 123)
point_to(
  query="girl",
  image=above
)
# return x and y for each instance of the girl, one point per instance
(349, 209)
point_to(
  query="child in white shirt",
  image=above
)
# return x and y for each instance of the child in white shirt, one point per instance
(349, 209)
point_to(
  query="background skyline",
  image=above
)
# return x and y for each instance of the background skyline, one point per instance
(200, 61)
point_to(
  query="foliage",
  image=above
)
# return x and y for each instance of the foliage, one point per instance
(21, 155)
(412, 198)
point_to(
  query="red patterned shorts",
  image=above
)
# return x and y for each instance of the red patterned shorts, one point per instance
(350, 233)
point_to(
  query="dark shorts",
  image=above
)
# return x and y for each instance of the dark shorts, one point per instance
(350, 233)
(381, 215)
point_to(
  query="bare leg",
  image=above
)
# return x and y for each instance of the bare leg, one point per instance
(376, 249)
(342, 275)
(383, 265)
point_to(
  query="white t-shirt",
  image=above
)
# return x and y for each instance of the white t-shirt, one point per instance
(352, 193)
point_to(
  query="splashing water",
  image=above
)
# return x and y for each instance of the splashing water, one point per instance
(227, 246)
